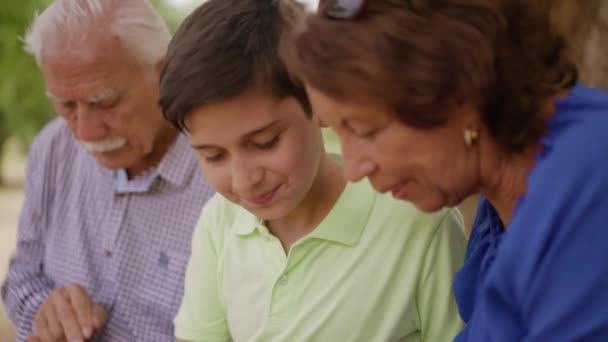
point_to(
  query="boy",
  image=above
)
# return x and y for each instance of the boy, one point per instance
(288, 251)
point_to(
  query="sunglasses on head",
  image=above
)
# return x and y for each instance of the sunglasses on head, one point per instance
(342, 9)
(347, 9)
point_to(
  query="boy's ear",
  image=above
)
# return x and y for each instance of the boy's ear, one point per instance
(322, 124)
(319, 121)
(160, 65)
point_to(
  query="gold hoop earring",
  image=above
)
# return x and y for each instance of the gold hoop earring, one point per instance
(470, 137)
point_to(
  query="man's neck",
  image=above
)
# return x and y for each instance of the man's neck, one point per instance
(153, 159)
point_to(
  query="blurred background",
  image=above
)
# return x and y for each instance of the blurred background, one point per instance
(24, 108)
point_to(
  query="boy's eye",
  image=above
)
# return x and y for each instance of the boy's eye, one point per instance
(216, 158)
(267, 144)
(368, 134)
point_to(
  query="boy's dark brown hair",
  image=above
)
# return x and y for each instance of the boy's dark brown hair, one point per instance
(423, 57)
(224, 48)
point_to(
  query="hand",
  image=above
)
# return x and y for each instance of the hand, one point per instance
(68, 314)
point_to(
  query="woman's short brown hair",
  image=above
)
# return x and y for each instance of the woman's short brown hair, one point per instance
(422, 57)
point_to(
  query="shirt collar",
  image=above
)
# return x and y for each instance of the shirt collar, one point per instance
(140, 184)
(179, 163)
(176, 167)
(344, 224)
(247, 223)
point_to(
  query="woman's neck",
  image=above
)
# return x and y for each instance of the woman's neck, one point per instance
(504, 177)
(315, 206)
(504, 174)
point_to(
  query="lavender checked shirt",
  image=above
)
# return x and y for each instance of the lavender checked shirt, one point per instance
(126, 242)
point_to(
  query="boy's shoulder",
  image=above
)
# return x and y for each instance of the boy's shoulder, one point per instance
(221, 218)
(220, 213)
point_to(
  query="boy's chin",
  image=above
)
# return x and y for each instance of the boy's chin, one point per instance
(274, 212)
(267, 213)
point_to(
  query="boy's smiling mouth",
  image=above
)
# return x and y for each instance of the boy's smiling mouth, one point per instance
(264, 198)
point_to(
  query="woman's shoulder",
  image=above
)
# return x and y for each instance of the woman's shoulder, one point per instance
(576, 141)
(581, 119)
(566, 190)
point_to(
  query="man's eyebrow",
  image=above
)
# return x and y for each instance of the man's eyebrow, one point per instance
(104, 95)
(54, 98)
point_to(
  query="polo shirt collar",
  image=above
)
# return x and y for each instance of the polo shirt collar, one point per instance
(346, 221)
(246, 223)
(344, 224)
(176, 167)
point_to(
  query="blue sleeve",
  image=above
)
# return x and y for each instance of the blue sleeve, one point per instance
(551, 281)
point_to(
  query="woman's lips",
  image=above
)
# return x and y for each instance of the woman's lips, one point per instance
(399, 191)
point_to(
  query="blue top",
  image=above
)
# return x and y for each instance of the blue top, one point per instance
(546, 277)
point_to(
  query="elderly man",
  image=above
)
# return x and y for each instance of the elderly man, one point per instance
(112, 191)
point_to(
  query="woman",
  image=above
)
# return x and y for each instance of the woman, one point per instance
(435, 100)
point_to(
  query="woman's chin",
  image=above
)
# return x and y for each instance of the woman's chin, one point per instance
(430, 204)
(429, 208)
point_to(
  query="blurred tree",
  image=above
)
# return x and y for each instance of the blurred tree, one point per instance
(584, 24)
(24, 108)
(173, 15)
(23, 105)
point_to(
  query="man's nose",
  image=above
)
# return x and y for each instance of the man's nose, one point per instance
(88, 126)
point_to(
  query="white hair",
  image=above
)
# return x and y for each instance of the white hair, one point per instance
(135, 22)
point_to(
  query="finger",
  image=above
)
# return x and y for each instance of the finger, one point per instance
(52, 322)
(67, 318)
(34, 338)
(99, 316)
(83, 307)
(41, 328)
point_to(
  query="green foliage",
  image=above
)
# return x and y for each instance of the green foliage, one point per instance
(173, 16)
(23, 105)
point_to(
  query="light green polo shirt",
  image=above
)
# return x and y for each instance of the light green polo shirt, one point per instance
(376, 269)
(331, 141)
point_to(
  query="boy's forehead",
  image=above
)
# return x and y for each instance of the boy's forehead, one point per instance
(242, 117)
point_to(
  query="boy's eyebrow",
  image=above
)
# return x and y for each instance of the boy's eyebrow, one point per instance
(245, 136)
(261, 129)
